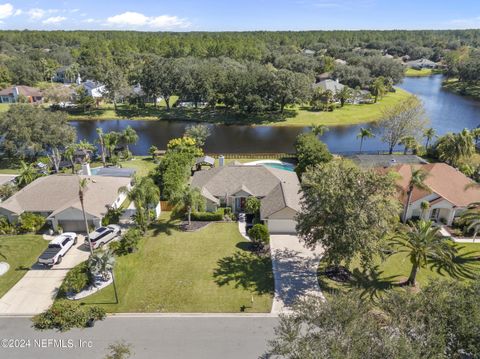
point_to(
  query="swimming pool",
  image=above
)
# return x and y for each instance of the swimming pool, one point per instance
(281, 166)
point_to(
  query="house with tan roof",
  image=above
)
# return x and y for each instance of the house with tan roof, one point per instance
(13, 94)
(450, 192)
(56, 198)
(230, 186)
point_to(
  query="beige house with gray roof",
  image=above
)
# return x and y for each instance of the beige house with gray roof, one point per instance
(56, 198)
(277, 189)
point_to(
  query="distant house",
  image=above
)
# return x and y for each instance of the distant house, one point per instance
(277, 189)
(329, 85)
(308, 52)
(421, 64)
(15, 94)
(55, 197)
(60, 76)
(340, 62)
(94, 89)
(449, 196)
(138, 91)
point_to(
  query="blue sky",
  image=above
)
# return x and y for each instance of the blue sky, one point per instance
(233, 15)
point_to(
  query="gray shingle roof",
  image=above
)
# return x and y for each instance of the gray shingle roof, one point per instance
(372, 161)
(329, 85)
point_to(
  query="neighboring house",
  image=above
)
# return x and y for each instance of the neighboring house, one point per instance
(15, 93)
(94, 89)
(421, 64)
(138, 91)
(450, 195)
(230, 186)
(56, 198)
(367, 161)
(329, 85)
(340, 62)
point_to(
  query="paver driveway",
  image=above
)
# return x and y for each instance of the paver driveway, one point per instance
(294, 271)
(36, 291)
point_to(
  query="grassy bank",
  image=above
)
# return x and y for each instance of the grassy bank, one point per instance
(293, 116)
(471, 89)
(20, 252)
(209, 270)
(418, 73)
(397, 268)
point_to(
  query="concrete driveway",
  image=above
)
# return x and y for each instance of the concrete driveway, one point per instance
(37, 289)
(294, 271)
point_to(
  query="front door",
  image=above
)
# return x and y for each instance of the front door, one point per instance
(240, 204)
(434, 214)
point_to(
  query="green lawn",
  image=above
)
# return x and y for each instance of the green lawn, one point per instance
(7, 167)
(21, 252)
(418, 73)
(396, 268)
(204, 271)
(142, 164)
(462, 88)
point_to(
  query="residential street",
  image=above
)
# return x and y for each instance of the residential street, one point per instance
(294, 271)
(37, 289)
(163, 337)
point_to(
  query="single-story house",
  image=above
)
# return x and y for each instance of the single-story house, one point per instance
(230, 186)
(368, 161)
(56, 198)
(94, 89)
(421, 64)
(329, 85)
(12, 94)
(450, 192)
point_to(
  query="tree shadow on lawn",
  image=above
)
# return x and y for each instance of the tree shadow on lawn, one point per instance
(245, 270)
(165, 226)
(464, 266)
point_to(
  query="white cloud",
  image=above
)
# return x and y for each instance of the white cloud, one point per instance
(54, 20)
(135, 19)
(6, 10)
(18, 12)
(89, 21)
(36, 13)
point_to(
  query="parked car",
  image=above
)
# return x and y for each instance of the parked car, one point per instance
(57, 248)
(103, 235)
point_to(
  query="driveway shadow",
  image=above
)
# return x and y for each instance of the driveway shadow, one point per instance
(245, 270)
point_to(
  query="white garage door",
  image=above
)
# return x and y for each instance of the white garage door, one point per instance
(74, 226)
(282, 226)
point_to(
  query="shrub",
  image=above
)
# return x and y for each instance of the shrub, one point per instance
(259, 235)
(30, 222)
(67, 314)
(129, 241)
(6, 227)
(207, 216)
(76, 279)
(112, 217)
(252, 205)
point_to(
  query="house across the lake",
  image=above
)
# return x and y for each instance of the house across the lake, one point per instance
(450, 192)
(230, 186)
(56, 198)
(421, 64)
(15, 94)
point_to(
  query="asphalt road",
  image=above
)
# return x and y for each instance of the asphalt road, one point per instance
(151, 337)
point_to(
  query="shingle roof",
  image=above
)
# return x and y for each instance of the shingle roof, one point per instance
(329, 85)
(372, 161)
(22, 90)
(443, 180)
(58, 192)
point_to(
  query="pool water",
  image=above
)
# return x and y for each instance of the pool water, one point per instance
(280, 166)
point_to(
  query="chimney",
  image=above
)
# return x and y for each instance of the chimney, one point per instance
(221, 160)
(86, 171)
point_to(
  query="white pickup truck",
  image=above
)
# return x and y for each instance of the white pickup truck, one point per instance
(57, 248)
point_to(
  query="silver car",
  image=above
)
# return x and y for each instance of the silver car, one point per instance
(103, 235)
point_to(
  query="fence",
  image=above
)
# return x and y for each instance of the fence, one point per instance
(233, 156)
(166, 206)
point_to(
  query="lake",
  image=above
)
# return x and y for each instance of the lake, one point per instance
(448, 112)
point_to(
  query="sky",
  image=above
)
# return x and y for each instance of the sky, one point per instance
(238, 15)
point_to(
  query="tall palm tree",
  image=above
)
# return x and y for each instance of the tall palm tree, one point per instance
(417, 181)
(423, 243)
(453, 147)
(471, 217)
(363, 134)
(378, 88)
(429, 135)
(424, 206)
(111, 140)
(410, 143)
(189, 199)
(130, 137)
(319, 130)
(145, 195)
(27, 174)
(82, 187)
(101, 142)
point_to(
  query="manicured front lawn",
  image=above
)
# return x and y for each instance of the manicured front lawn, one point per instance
(142, 164)
(397, 268)
(21, 252)
(204, 271)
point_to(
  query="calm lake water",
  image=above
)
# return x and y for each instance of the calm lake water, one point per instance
(447, 112)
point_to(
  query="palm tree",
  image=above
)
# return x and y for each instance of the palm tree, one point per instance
(130, 137)
(145, 195)
(343, 95)
(319, 130)
(189, 199)
(27, 174)
(363, 134)
(378, 88)
(410, 143)
(101, 142)
(424, 206)
(111, 141)
(429, 135)
(102, 264)
(417, 181)
(471, 217)
(423, 243)
(453, 147)
(82, 187)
